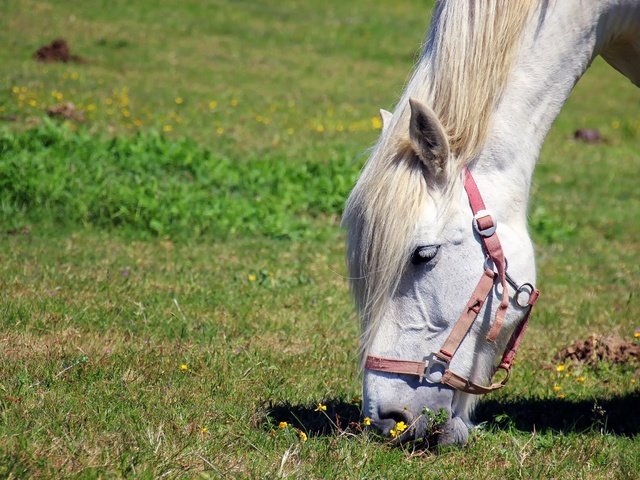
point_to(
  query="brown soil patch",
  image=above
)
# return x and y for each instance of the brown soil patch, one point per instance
(66, 111)
(598, 348)
(588, 135)
(56, 51)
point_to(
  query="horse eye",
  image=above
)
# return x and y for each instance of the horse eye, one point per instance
(424, 254)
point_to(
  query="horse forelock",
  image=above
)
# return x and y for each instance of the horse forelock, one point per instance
(381, 216)
(462, 73)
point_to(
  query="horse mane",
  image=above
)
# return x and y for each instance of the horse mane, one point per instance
(469, 52)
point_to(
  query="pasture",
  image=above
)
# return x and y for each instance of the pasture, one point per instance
(173, 278)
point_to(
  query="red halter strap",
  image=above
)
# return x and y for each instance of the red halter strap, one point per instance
(435, 367)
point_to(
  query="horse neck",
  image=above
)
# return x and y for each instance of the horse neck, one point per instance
(558, 46)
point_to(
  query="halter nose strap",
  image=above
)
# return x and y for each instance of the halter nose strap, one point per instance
(435, 368)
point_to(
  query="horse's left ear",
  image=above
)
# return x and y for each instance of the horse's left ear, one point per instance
(428, 137)
(385, 116)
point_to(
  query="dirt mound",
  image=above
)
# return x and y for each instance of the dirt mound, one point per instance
(588, 135)
(56, 51)
(598, 348)
(66, 111)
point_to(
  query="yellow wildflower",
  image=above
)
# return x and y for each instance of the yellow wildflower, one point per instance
(252, 277)
(179, 101)
(212, 105)
(321, 408)
(283, 425)
(167, 128)
(560, 368)
(219, 130)
(302, 435)
(233, 102)
(204, 430)
(366, 421)
(401, 426)
(184, 367)
(636, 334)
(376, 123)
(581, 379)
(393, 433)
(557, 388)
(561, 395)
(615, 124)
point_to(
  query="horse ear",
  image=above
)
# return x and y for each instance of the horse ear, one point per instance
(385, 116)
(428, 138)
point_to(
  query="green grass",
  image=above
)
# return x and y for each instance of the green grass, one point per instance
(151, 185)
(215, 244)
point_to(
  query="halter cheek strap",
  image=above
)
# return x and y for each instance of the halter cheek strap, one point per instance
(435, 368)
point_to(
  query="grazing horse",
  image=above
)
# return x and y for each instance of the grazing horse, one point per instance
(443, 294)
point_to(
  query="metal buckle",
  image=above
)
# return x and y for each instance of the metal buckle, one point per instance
(433, 374)
(488, 231)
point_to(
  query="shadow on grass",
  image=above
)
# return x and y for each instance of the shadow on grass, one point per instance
(616, 415)
(338, 417)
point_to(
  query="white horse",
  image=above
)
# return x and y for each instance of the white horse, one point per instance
(493, 77)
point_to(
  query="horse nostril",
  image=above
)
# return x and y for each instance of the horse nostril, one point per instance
(397, 416)
(389, 419)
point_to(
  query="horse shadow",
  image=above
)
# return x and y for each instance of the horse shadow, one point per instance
(617, 415)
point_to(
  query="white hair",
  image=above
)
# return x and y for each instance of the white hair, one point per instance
(469, 52)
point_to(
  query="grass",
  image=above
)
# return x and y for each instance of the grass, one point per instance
(152, 185)
(106, 292)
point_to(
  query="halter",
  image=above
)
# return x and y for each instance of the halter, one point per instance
(435, 367)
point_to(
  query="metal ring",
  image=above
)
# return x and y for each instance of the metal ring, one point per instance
(493, 265)
(524, 288)
(432, 361)
(489, 231)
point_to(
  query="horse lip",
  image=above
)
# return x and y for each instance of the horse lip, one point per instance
(416, 431)
(452, 432)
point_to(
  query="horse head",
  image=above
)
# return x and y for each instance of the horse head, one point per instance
(416, 256)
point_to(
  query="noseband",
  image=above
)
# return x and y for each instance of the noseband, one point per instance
(435, 367)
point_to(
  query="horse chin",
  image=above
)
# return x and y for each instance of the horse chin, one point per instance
(454, 432)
